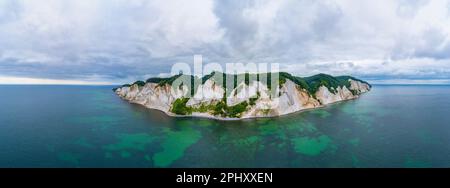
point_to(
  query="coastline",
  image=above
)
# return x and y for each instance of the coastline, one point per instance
(205, 116)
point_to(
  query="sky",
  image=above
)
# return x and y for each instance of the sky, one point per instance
(119, 41)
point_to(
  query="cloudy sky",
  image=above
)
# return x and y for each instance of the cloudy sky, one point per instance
(117, 41)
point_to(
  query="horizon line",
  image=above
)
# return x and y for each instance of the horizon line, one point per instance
(46, 81)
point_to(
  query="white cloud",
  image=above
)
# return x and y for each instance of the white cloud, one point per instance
(24, 80)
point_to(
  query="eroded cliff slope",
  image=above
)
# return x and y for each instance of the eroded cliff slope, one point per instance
(253, 96)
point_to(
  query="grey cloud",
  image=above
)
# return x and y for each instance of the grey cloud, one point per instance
(133, 39)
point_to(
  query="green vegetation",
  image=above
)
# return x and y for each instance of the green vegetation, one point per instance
(313, 83)
(174, 145)
(236, 110)
(181, 78)
(220, 108)
(163, 81)
(252, 100)
(353, 78)
(311, 146)
(138, 141)
(297, 80)
(328, 81)
(208, 76)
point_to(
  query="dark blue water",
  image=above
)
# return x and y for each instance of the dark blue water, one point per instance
(88, 126)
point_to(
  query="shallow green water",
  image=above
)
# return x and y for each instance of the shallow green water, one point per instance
(88, 126)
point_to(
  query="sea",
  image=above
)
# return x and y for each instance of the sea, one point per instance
(90, 126)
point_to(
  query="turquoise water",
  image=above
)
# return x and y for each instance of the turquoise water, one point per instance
(89, 126)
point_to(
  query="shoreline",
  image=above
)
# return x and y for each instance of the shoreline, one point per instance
(204, 116)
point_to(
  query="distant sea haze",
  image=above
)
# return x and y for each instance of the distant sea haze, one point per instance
(89, 126)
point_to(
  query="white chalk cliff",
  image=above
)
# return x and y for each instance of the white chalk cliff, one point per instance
(249, 100)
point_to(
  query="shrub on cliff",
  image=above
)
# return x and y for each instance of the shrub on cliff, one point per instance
(179, 107)
(236, 110)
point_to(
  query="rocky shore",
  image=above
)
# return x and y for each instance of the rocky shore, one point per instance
(246, 99)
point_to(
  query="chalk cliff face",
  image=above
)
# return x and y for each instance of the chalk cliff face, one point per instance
(246, 100)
